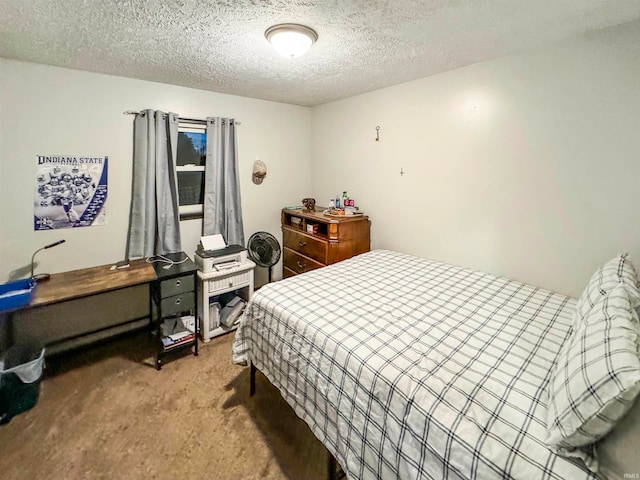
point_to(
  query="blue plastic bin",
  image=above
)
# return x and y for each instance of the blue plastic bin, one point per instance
(16, 294)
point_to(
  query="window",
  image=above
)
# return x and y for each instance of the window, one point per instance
(190, 163)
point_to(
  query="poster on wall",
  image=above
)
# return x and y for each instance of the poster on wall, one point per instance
(70, 192)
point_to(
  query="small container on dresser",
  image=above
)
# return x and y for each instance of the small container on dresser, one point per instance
(312, 239)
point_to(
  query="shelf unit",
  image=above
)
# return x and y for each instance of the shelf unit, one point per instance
(216, 283)
(173, 295)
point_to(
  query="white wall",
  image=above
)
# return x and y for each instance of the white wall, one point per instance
(50, 110)
(526, 166)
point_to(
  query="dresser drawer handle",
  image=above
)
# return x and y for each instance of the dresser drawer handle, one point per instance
(302, 244)
(301, 265)
(231, 284)
(178, 301)
(178, 282)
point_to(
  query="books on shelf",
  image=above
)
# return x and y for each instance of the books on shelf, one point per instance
(180, 335)
(171, 341)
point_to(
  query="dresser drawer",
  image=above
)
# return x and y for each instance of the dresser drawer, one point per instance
(299, 263)
(177, 304)
(309, 246)
(175, 286)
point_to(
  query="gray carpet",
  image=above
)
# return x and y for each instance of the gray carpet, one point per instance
(106, 413)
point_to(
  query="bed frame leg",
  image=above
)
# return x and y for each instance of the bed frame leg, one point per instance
(252, 380)
(331, 467)
(334, 471)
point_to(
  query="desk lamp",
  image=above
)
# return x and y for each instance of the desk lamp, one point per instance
(42, 276)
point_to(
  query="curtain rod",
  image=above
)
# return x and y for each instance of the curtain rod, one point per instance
(194, 120)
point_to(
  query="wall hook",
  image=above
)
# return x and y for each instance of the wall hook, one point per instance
(401, 172)
(378, 133)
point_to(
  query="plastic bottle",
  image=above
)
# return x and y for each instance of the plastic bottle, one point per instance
(337, 201)
(344, 199)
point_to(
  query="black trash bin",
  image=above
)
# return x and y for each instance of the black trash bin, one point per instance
(20, 375)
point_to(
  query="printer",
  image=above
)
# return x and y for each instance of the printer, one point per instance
(220, 259)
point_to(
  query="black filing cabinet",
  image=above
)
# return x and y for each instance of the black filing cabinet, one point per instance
(173, 305)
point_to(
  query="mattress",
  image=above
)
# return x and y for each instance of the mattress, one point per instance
(409, 368)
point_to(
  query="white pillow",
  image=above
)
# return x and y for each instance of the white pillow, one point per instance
(617, 270)
(597, 375)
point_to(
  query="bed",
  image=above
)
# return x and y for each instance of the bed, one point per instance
(409, 368)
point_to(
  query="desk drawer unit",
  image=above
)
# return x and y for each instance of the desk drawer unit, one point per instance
(174, 296)
(178, 303)
(176, 286)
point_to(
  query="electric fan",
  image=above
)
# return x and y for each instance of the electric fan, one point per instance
(264, 249)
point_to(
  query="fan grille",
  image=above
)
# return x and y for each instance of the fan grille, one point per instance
(263, 249)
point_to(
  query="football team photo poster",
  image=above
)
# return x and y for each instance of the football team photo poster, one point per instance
(70, 192)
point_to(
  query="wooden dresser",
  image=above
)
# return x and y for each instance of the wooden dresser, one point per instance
(313, 240)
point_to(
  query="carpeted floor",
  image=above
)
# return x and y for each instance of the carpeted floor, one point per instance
(106, 413)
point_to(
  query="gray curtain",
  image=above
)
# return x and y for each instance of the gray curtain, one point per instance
(222, 209)
(154, 222)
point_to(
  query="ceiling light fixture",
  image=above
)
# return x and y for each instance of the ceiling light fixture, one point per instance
(290, 39)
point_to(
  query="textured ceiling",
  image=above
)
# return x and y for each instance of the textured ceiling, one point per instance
(219, 45)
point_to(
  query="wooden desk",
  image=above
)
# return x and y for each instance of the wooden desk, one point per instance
(91, 281)
(83, 306)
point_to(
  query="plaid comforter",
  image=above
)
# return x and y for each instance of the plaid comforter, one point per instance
(414, 369)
